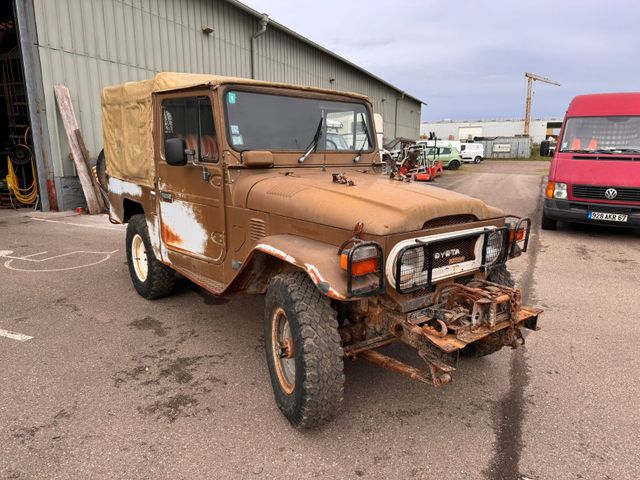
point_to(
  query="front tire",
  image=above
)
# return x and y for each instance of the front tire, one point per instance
(303, 350)
(548, 223)
(150, 277)
(502, 276)
(454, 165)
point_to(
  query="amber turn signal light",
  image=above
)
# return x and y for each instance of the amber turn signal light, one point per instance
(363, 267)
(363, 261)
(519, 236)
(550, 188)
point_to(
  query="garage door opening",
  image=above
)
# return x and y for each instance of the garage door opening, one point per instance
(18, 178)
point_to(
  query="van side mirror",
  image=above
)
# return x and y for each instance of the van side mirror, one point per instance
(545, 150)
(174, 151)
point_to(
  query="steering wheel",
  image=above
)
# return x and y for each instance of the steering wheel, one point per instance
(335, 145)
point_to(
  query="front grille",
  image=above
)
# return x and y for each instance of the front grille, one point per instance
(416, 263)
(596, 192)
(456, 251)
(449, 220)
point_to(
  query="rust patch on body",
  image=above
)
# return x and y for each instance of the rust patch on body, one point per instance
(169, 236)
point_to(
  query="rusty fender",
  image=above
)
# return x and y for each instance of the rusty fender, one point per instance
(119, 190)
(320, 260)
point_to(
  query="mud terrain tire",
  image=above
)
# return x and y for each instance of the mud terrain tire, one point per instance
(159, 279)
(502, 276)
(548, 223)
(311, 394)
(483, 348)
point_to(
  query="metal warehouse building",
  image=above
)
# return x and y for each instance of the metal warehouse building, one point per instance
(469, 129)
(89, 44)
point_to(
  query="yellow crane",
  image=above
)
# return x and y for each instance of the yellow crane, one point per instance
(531, 77)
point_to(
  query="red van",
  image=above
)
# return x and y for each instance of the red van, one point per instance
(595, 173)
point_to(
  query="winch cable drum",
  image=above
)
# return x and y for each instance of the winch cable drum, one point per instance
(19, 156)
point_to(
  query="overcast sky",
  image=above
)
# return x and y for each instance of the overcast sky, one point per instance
(467, 58)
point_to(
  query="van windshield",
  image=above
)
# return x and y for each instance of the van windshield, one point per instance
(615, 134)
(260, 121)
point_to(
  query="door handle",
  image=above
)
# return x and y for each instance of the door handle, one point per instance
(166, 196)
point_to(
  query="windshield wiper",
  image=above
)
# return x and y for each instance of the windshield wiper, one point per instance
(314, 143)
(574, 150)
(618, 149)
(366, 130)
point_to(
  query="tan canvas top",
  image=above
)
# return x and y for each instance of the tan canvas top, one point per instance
(127, 119)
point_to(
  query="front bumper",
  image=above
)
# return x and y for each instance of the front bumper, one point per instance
(461, 315)
(577, 212)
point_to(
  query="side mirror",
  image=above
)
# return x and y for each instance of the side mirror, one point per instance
(174, 151)
(545, 150)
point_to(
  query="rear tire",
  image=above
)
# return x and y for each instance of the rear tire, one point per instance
(478, 159)
(548, 223)
(150, 277)
(490, 345)
(101, 171)
(454, 165)
(304, 354)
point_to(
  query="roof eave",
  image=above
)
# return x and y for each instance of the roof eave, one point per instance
(304, 39)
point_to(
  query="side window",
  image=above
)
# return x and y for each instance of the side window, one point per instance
(191, 118)
(446, 151)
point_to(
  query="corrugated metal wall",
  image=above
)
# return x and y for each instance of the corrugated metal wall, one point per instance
(88, 44)
(507, 147)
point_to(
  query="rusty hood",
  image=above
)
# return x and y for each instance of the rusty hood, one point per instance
(385, 206)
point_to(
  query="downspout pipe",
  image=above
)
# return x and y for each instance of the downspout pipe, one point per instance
(264, 21)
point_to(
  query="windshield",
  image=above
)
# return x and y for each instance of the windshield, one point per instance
(261, 121)
(602, 134)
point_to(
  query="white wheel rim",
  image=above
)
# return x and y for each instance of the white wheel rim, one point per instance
(139, 257)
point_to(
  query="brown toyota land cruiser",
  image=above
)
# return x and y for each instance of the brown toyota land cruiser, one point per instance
(242, 185)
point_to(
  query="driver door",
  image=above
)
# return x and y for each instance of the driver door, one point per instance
(191, 196)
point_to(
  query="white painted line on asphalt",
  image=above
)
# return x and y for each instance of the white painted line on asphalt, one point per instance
(14, 336)
(103, 227)
(28, 258)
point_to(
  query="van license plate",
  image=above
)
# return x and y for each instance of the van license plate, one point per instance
(612, 217)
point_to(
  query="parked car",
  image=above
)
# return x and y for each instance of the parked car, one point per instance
(449, 156)
(228, 182)
(441, 143)
(472, 152)
(594, 176)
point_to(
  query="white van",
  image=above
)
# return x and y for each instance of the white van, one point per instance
(472, 152)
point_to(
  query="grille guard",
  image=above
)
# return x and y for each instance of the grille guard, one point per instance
(514, 248)
(429, 247)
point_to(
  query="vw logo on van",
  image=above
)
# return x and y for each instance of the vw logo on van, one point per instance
(611, 193)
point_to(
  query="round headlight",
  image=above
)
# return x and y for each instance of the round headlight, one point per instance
(412, 264)
(495, 242)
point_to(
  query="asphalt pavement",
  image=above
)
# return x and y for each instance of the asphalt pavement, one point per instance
(100, 383)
